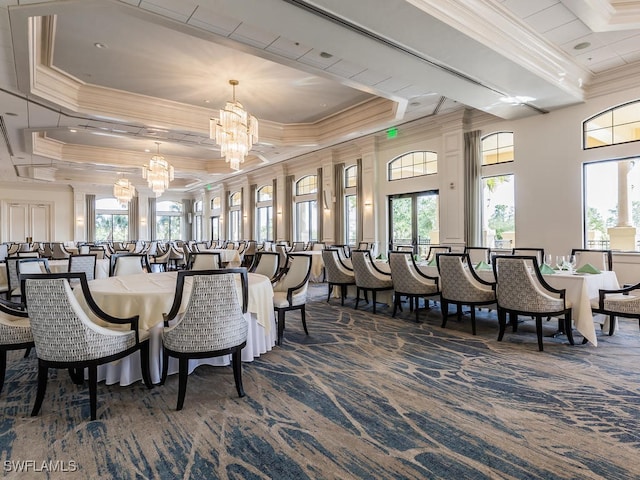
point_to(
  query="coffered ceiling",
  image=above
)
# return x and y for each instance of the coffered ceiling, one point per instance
(88, 88)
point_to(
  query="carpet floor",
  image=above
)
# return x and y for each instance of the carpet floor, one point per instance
(363, 396)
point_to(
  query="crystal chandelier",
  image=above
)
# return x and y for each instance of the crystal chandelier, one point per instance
(124, 191)
(158, 173)
(235, 131)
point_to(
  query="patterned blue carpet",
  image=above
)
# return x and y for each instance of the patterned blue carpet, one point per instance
(363, 397)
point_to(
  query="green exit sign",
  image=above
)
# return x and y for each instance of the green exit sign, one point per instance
(392, 133)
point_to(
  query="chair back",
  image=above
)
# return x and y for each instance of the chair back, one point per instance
(399, 248)
(99, 252)
(296, 280)
(478, 254)
(435, 250)
(336, 271)
(318, 246)
(282, 251)
(266, 263)
(366, 274)
(251, 248)
(213, 318)
(62, 331)
(17, 266)
(129, 264)
(601, 259)
(83, 263)
(536, 252)
(298, 247)
(204, 261)
(59, 252)
(520, 290)
(406, 278)
(458, 282)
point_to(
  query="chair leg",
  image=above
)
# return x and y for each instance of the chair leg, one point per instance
(473, 320)
(165, 366)
(373, 297)
(343, 294)
(77, 375)
(539, 331)
(357, 297)
(183, 375)
(236, 360)
(329, 290)
(43, 375)
(502, 321)
(27, 352)
(513, 320)
(444, 309)
(417, 309)
(568, 328)
(93, 387)
(144, 363)
(612, 324)
(280, 326)
(396, 302)
(303, 315)
(3, 367)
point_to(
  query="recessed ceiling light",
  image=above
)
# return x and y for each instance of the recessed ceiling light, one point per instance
(100, 45)
(325, 55)
(582, 45)
(73, 130)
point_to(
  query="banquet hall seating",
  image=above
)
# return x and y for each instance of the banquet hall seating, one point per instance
(99, 252)
(478, 254)
(435, 250)
(290, 291)
(410, 282)
(298, 247)
(16, 266)
(176, 257)
(537, 252)
(337, 273)
(266, 263)
(15, 333)
(204, 261)
(59, 252)
(461, 285)
(128, 264)
(369, 278)
(399, 248)
(212, 325)
(249, 252)
(519, 292)
(47, 251)
(83, 263)
(281, 250)
(600, 259)
(65, 336)
(622, 302)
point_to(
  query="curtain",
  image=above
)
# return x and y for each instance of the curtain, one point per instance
(133, 219)
(288, 210)
(320, 207)
(90, 218)
(274, 210)
(151, 221)
(187, 218)
(472, 190)
(243, 212)
(252, 212)
(226, 201)
(360, 203)
(338, 192)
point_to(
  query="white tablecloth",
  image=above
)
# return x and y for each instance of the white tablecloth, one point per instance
(228, 256)
(61, 266)
(317, 265)
(149, 295)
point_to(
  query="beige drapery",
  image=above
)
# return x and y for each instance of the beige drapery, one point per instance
(472, 189)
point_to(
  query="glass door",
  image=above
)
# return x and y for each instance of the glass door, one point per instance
(413, 221)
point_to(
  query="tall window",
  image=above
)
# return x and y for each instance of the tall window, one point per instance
(619, 124)
(264, 213)
(215, 219)
(197, 209)
(112, 221)
(498, 191)
(413, 164)
(350, 205)
(235, 216)
(168, 220)
(608, 222)
(306, 209)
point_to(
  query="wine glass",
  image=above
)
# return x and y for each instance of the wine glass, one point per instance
(560, 262)
(571, 262)
(548, 259)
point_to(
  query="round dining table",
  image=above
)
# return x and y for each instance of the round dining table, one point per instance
(150, 295)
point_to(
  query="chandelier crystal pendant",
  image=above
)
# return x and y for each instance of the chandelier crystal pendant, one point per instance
(158, 173)
(124, 191)
(235, 131)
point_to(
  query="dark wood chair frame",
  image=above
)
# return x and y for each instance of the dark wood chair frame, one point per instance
(281, 311)
(414, 298)
(343, 286)
(193, 256)
(144, 261)
(256, 261)
(612, 315)
(608, 253)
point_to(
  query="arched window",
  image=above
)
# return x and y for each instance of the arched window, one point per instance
(112, 221)
(264, 213)
(498, 191)
(413, 164)
(215, 203)
(350, 205)
(306, 209)
(168, 220)
(497, 148)
(235, 216)
(620, 124)
(197, 211)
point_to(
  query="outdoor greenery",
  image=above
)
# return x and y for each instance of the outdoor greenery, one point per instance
(426, 215)
(112, 227)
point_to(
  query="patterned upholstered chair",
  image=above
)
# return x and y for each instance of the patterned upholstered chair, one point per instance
(65, 336)
(369, 278)
(435, 250)
(129, 264)
(601, 259)
(622, 302)
(266, 263)
(290, 291)
(83, 263)
(212, 325)
(338, 274)
(410, 282)
(15, 333)
(16, 267)
(204, 261)
(519, 292)
(461, 285)
(478, 254)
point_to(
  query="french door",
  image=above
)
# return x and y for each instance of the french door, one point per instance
(413, 220)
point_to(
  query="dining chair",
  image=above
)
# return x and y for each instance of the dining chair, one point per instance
(410, 282)
(281, 250)
(399, 248)
(204, 261)
(290, 291)
(337, 273)
(519, 292)
(461, 286)
(266, 263)
(212, 325)
(16, 267)
(537, 252)
(435, 250)
(478, 254)
(369, 278)
(66, 337)
(15, 333)
(59, 252)
(601, 259)
(83, 263)
(129, 264)
(161, 258)
(621, 302)
(249, 252)
(315, 246)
